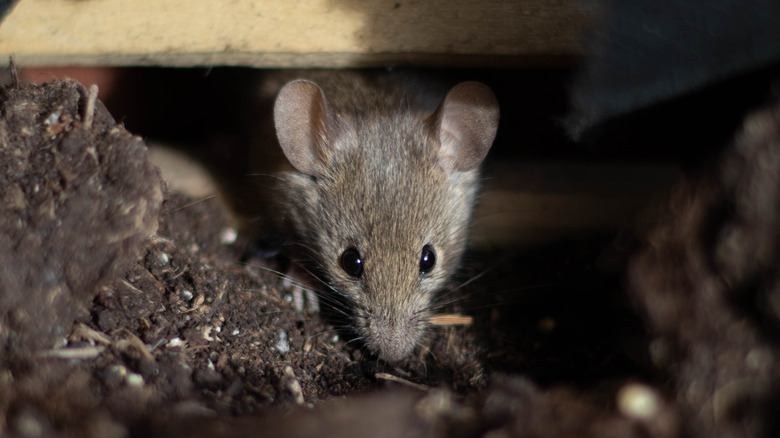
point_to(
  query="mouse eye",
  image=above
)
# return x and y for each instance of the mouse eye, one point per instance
(352, 262)
(427, 260)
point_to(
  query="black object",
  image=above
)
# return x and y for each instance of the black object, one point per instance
(644, 52)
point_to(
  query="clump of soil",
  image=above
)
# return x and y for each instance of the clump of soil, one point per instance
(709, 283)
(77, 200)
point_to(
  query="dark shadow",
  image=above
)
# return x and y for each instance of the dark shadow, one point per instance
(554, 314)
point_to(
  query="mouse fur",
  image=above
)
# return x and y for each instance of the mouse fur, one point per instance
(377, 167)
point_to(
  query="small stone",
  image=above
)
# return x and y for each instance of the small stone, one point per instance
(282, 345)
(228, 236)
(638, 401)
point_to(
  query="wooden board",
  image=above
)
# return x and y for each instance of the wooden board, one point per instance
(293, 33)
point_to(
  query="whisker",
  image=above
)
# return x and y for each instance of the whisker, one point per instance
(428, 350)
(439, 304)
(448, 293)
(271, 175)
(469, 281)
(332, 299)
(326, 332)
(337, 309)
(355, 339)
(193, 203)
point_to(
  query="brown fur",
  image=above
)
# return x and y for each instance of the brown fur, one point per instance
(372, 175)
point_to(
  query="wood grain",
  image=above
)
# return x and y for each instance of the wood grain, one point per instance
(292, 33)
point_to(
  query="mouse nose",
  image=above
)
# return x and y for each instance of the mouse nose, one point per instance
(394, 351)
(392, 339)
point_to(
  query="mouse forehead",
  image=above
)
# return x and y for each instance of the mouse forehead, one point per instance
(386, 193)
(389, 178)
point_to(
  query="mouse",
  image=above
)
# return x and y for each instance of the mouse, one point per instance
(381, 181)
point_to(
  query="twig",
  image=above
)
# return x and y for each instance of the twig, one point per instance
(89, 113)
(131, 340)
(292, 385)
(83, 332)
(396, 379)
(89, 352)
(451, 319)
(14, 71)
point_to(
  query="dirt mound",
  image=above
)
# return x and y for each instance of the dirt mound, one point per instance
(78, 200)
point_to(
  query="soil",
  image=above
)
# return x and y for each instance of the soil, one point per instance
(114, 325)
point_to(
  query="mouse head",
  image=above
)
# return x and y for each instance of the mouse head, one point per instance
(383, 199)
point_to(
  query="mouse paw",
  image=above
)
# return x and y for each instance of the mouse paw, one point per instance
(314, 302)
(298, 293)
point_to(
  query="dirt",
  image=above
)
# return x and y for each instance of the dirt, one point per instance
(181, 329)
(79, 198)
(709, 284)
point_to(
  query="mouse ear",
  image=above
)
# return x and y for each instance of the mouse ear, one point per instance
(305, 125)
(465, 125)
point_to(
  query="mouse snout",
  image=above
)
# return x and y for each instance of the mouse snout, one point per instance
(392, 338)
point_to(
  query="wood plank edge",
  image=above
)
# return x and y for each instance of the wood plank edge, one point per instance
(294, 60)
